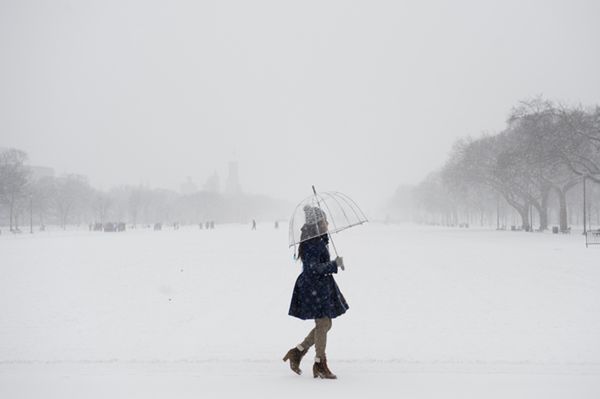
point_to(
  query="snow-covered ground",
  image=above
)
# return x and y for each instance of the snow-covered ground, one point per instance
(434, 312)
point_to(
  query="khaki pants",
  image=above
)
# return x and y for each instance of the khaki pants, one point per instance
(318, 337)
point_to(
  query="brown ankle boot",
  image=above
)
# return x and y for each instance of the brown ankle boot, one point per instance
(321, 370)
(295, 355)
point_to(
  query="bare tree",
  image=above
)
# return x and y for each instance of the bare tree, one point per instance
(13, 182)
(43, 193)
(579, 145)
(487, 161)
(559, 145)
(72, 195)
(101, 204)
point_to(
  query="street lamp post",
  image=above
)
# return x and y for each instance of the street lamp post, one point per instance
(498, 212)
(31, 214)
(584, 208)
(531, 218)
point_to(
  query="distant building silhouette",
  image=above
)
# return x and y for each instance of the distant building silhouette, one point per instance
(232, 185)
(188, 187)
(212, 184)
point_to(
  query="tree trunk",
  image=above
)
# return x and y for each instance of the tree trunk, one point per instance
(542, 208)
(522, 209)
(562, 218)
(543, 213)
(562, 201)
(524, 213)
(12, 212)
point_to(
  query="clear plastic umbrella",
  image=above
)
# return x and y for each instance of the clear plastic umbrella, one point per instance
(340, 211)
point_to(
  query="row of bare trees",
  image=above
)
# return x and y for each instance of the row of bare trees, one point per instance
(545, 151)
(58, 200)
(26, 199)
(13, 181)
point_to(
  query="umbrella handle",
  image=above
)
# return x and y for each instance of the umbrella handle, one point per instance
(333, 244)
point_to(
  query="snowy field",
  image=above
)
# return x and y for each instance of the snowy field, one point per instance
(434, 313)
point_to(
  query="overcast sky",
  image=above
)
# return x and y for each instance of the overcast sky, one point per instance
(352, 96)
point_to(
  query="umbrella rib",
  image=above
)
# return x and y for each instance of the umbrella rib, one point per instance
(364, 217)
(347, 221)
(330, 214)
(357, 207)
(291, 236)
(347, 227)
(350, 205)
(343, 210)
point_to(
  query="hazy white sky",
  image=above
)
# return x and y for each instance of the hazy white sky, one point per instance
(350, 96)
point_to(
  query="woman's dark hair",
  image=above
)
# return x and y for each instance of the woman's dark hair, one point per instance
(310, 232)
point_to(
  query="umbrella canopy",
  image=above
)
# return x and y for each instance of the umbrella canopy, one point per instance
(340, 211)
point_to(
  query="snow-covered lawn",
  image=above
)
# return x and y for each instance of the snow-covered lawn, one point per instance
(194, 313)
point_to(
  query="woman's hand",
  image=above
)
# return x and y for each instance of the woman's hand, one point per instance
(340, 262)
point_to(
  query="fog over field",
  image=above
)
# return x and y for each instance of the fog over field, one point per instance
(179, 178)
(352, 96)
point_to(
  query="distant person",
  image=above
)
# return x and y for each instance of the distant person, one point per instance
(253, 224)
(276, 224)
(207, 225)
(316, 296)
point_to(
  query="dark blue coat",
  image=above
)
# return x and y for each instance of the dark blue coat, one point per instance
(316, 294)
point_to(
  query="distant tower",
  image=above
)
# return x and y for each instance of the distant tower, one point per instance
(232, 186)
(188, 187)
(212, 183)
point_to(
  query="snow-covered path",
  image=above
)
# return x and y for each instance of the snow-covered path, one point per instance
(458, 313)
(267, 379)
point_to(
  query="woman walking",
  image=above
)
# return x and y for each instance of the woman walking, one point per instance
(316, 296)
